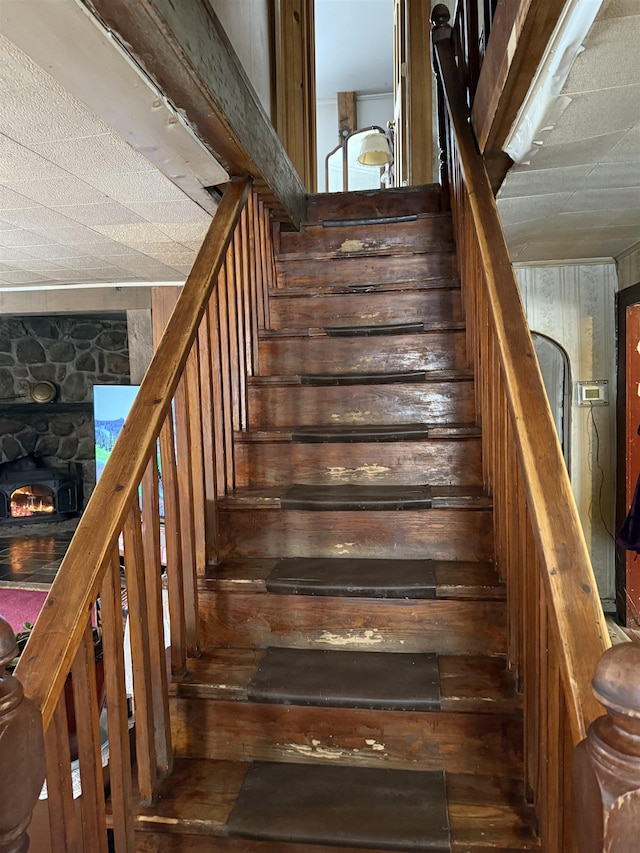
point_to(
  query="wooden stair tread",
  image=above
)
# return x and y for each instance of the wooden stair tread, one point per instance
(485, 813)
(373, 203)
(387, 378)
(365, 578)
(454, 580)
(355, 497)
(360, 807)
(350, 289)
(344, 679)
(466, 683)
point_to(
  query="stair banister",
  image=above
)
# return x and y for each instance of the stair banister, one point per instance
(557, 627)
(121, 525)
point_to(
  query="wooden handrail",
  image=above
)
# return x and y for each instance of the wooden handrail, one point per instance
(189, 401)
(557, 630)
(45, 664)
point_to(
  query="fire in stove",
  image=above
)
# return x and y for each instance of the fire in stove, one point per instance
(31, 500)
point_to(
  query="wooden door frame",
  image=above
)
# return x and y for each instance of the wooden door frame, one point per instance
(624, 299)
(293, 87)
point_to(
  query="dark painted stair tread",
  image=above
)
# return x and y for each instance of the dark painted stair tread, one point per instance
(363, 378)
(391, 432)
(354, 577)
(366, 331)
(356, 497)
(362, 807)
(344, 679)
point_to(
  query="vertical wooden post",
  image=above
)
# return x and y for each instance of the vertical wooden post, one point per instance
(607, 762)
(21, 748)
(442, 32)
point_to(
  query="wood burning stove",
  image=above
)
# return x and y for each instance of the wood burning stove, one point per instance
(32, 491)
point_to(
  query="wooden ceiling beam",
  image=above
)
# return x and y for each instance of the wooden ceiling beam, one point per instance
(183, 48)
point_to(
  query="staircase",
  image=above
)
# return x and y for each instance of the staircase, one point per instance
(352, 690)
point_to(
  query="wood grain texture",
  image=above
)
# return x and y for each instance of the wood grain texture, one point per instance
(421, 402)
(431, 306)
(457, 742)
(426, 233)
(366, 270)
(446, 627)
(401, 463)
(308, 353)
(371, 204)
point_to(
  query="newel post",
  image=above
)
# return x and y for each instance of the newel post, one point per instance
(607, 762)
(21, 752)
(441, 31)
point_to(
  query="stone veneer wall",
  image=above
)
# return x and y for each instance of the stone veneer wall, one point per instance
(75, 352)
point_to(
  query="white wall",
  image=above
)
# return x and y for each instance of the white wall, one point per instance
(246, 22)
(575, 305)
(372, 109)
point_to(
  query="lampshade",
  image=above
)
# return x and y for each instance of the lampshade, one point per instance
(375, 150)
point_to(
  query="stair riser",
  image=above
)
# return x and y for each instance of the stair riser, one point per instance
(366, 270)
(376, 354)
(431, 233)
(442, 462)
(374, 203)
(425, 402)
(433, 307)
(352, 624)
(435, 534)
(457, 743)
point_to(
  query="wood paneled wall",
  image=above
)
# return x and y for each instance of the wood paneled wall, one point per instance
(574, 305)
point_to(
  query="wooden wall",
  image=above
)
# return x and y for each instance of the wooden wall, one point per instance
(574, 304)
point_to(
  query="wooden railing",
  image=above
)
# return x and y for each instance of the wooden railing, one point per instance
(557, 630)
(184, 414)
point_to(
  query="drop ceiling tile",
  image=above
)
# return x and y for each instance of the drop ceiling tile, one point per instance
(187, 235)
(19, 163)
(615, 175)
(30, 115)
(109, 249)
(18, 237)
(56, 251)
(105, 152)
(53, 192)
(628, 216)
(136, 187)
(10, 200)
(610, 59)
(13, 266)
(74, 235)
(108, 273)
(176, 258)
(627, 149)
(10, 255)
(604, 199)
(618, 9)
(23, 277)
(185, 269)
(591, 113)
(133, 234)
(172, 213)
(16, 69)
(527, 209)
(36, 217)
(576, 153)
(104, 213)
(86, 262)
(39, 265)
(522, 181)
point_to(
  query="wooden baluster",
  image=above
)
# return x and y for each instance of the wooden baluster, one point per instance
(234, 354)
(248, 244)
(87, 698)
(254, 252)
(117, 710)
(238, 274)
(63, 819)
(264, 260)
(250, 326)
(217, 410)
(140, 655)
(196, 472)
(155, 616)
(20, 738)
(209, 446)
(607, 763)
(187, 529)
(225, 372)
(173, 546)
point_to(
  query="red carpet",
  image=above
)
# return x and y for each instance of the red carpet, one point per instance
(21, 605)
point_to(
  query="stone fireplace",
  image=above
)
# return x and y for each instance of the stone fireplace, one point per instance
(74, 352)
